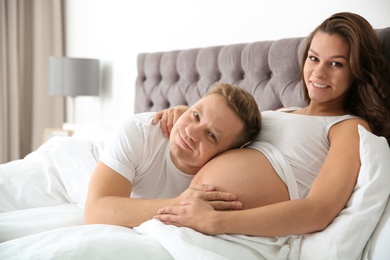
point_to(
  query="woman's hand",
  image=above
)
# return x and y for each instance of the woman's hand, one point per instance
(168, 118)
(193, 213)
(216, 199)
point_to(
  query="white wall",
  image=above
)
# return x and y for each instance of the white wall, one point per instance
(115, 31)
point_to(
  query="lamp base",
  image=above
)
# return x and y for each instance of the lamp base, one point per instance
(71, 110)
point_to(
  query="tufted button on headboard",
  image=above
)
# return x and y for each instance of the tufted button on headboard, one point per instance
(267, 69)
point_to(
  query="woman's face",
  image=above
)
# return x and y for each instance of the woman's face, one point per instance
(327, 71)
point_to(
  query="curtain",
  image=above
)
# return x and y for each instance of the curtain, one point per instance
(30, 32)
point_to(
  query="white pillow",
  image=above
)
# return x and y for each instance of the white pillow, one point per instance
(347, 235)
(378, 248)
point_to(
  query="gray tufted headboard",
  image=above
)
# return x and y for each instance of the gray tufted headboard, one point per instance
(267, 69)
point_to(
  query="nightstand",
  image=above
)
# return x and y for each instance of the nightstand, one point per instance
(51, 132)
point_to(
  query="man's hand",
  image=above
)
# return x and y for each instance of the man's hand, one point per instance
(193, 213)
(217, 199)
(196, 208)
(168, 118)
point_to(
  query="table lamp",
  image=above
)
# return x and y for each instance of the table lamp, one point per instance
(72, 77)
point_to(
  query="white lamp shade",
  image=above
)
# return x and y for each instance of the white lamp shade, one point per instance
(73, 77)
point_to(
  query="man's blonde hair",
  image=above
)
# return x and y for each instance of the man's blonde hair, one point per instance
(244, 105)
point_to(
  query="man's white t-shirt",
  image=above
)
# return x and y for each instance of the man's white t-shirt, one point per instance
(139, 152)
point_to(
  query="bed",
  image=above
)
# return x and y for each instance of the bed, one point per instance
(41, 210)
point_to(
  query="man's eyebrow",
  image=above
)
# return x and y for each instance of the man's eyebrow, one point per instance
(332, 57)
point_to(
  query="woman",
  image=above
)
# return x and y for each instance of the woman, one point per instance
(297, 179)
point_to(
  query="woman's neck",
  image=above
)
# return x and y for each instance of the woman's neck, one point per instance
(315, 110)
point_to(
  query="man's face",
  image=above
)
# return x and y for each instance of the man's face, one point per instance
(206, 129)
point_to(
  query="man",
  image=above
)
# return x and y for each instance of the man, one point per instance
(141, 171)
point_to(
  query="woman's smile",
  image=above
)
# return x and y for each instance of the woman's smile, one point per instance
(317, 85)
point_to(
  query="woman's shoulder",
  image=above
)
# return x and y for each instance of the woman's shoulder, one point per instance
(352, 122)
(347, 129)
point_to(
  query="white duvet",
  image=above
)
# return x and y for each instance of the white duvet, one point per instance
(151, 240)
(41, 217)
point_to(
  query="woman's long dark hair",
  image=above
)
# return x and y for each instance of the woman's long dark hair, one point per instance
(369, 95)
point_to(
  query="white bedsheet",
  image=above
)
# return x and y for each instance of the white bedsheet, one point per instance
(84, 242)
(151, 240)
(185, 243)
(20, 223)
(46, 189)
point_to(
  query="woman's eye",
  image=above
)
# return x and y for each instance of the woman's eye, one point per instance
(336, 64)
(312, 58)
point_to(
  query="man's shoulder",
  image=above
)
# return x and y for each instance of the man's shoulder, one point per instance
(139, 126)
(142, 118)
(139, 120)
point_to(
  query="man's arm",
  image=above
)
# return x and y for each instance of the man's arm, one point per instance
(109, 202)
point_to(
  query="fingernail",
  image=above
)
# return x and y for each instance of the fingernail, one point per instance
(210, 187)
(232, 197)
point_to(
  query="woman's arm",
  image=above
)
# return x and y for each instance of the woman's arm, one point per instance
(328, 196)
(168, 118)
